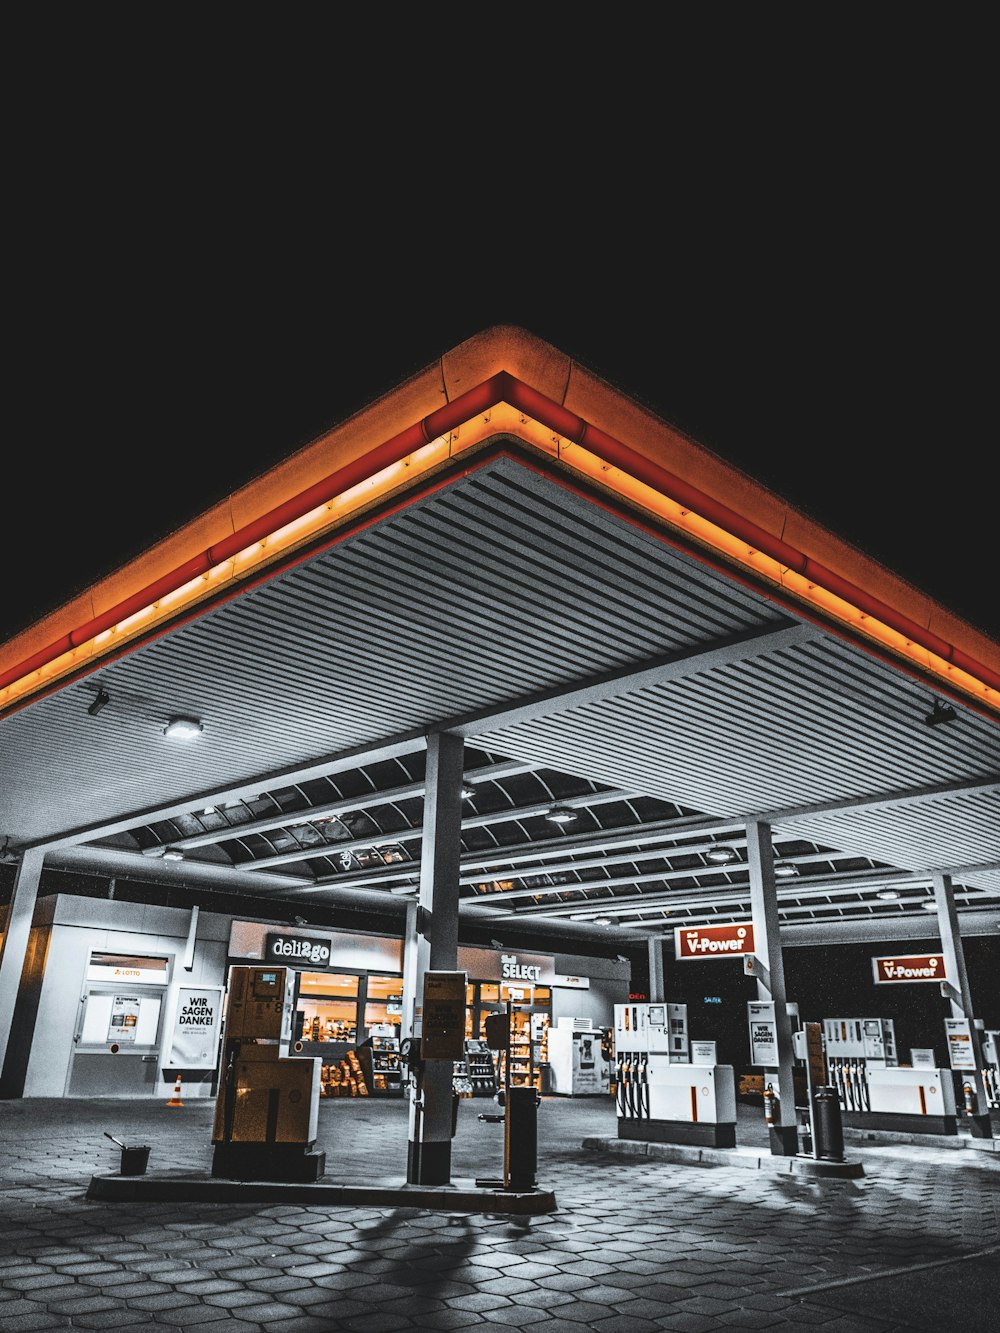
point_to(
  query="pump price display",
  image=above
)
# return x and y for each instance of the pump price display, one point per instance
(908, 967)
(732, 940)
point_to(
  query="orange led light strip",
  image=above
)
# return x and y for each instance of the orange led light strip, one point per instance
(501, 405)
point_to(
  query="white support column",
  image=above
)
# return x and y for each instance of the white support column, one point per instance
(767, 947)
(960, 998)
(14, 945)
(416, 960)
(657, 982)
(429, 1149)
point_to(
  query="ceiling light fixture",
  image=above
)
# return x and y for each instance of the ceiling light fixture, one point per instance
(173, 854)
(467, 791)
(183, 728)
(560, 814)
(888, 895)
(721, 854)
(940, 713)
(101, 700)
(929, 905)
(785, 869)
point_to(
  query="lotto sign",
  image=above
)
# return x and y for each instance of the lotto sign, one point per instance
(907, 967)
(733, 940)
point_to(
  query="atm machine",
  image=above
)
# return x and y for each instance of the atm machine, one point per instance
(267, 1108)
(660, 1098)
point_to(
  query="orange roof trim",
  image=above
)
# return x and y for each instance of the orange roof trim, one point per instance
(506, 403)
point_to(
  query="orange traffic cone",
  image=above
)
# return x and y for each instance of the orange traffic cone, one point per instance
(175, 1100)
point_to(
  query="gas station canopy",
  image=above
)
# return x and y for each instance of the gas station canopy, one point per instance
(629, 634)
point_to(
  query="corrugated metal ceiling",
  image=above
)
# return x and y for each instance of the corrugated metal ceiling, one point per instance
(583, 658)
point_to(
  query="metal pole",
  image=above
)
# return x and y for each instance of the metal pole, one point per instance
(767, 946)
(960, 998)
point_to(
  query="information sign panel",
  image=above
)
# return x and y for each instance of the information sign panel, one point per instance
(908, 967)
(763, 1033)
(732, 940)
(443, 1035)
(961, 1052)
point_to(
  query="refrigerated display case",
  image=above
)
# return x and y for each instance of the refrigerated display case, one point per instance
(381, 1065)
(482, 1070)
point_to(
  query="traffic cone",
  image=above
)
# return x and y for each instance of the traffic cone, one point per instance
(175, 1100)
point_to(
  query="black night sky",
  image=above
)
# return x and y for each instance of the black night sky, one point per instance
(190, 297)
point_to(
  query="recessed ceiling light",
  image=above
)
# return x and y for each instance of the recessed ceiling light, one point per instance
(785, 869)
(888, 895)
(721, 854)
(183, 728)
(561, 814)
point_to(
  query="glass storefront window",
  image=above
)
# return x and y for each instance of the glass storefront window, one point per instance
(329, 1006)
(384, 1004)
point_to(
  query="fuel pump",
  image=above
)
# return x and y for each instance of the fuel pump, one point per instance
(267, 1108)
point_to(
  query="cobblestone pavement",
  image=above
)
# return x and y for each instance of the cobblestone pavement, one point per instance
(634, 1244)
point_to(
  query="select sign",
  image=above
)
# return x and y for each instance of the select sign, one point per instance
(909, 967)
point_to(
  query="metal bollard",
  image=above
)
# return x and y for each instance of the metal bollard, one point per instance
(522, 1136)
(827, 1124)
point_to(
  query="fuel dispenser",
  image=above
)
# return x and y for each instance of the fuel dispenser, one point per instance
(660, 1098)
(267, 1108)
(854, 1047)
(991, 1066)
(875, 1091)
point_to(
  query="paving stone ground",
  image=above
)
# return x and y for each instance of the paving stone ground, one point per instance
(634, 1245)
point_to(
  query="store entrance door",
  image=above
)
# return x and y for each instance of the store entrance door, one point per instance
(117, 1042)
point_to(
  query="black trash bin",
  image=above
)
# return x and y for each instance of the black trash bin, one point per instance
(134, 1160)
(827, 1123)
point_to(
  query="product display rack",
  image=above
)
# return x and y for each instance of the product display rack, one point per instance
(523, 1070)
(482, 1072)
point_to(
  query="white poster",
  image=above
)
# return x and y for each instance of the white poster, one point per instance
(196, 1027)
(763, 1033)
(124, 1018)
(961, 1053)
(703, 1052)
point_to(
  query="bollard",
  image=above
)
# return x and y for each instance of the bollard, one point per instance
(522, 1136)
(827, 1124)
